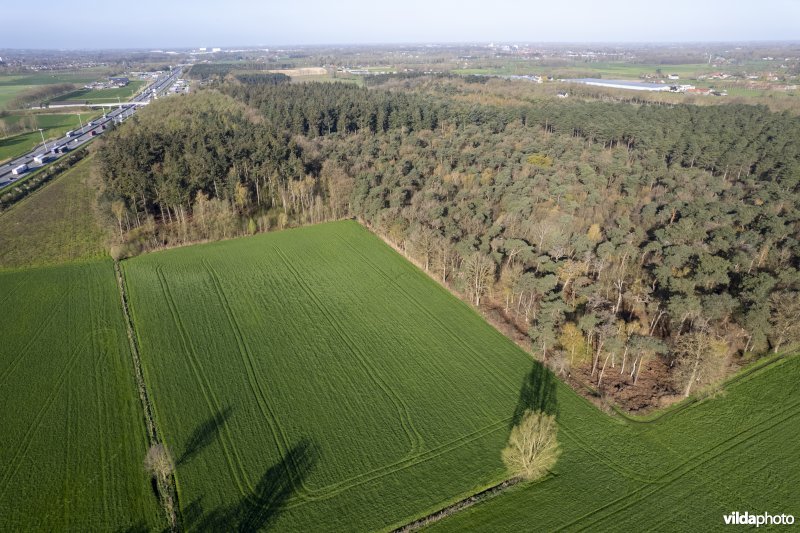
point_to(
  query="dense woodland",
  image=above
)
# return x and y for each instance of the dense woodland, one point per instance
(618, 237)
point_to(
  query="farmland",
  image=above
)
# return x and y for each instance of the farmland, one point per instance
(318, 375)
(72, 443)
(13, 85)
(104, 96)
(614, 70)
(706, 459)
(55, 125)
(53, 225)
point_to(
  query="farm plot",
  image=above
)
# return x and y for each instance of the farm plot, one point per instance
(54, 224)
(54, 126)
(11, 85)
(312, 379)
(684, 470)
(104, 96)
(73, 438)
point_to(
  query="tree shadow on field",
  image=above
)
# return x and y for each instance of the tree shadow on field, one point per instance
(259, 510)
(204, 434)
(538, 393)
(138, 527)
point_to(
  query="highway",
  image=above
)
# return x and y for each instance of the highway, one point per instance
(81, 136)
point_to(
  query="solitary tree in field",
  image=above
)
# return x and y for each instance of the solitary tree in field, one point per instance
(532, 447)
(159, 463)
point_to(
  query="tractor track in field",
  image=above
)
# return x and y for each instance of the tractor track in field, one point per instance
(246, 355)
(305, 494)
(686, 467)
(43, 327)
(14, 465)
(432, 316)
(168, 496)
(237, 470)
(403, 412)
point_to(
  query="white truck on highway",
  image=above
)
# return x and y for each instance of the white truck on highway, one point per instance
(41, 158)
(19, 170)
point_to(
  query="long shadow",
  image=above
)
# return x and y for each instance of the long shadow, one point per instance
(138, 527)
(260, 509)
(537, 393)
(204, 434)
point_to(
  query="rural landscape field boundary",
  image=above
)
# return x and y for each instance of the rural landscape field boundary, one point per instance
(670, 410)
(167, 492)
(655, 484)
(460, 505)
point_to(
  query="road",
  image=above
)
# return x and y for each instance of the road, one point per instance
(81, 136)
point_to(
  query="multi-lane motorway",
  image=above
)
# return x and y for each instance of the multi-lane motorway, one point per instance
(81, 136)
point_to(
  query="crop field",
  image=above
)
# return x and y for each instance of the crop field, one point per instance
(101, 96)
(682, 470)
(312, 379)
(13, 84)
(612, 70)
(55, 125)
(53, 225)
(73, 439)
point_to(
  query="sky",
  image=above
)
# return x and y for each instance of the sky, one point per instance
(155, 24)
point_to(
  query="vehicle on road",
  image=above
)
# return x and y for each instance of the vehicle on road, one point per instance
(20, 169)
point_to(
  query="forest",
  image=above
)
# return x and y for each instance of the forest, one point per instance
(627, 243)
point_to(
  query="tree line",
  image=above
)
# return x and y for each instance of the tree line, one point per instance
(615, 236)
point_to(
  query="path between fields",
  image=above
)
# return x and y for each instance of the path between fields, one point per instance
(460, 505)
(167, 492)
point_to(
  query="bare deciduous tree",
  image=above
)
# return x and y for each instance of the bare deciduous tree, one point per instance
(702, 360)
(478, 271)
(158, 462)
(785, 319)
(532, 446)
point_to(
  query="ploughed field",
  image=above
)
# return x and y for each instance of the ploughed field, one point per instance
(73, 440)
(312, 379)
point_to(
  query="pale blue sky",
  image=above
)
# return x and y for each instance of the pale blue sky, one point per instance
(185, 23)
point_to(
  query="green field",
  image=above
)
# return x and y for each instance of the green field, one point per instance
(315, 380)
(73, 439)
(53, 225)
(104, 96)
(312, 379)
(680, 471)
(611, 70)
(55, 125)
(13, 84)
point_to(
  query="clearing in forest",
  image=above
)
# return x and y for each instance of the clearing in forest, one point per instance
(312, 379)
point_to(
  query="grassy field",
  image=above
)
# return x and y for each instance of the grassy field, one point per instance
(312, 379)
(73, 439)
(55, 125)
(100, 96)
(680, 471)
(13, 84)
(53, 225)
(610, 70)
